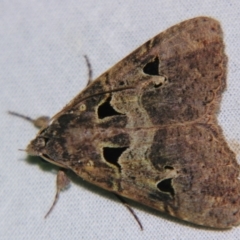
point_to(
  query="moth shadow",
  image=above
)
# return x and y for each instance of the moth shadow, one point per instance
(48, 167)
(45, 166)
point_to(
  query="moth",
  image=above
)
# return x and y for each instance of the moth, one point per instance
(147, 128)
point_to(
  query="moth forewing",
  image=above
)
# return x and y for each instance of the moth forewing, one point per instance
(146, 129)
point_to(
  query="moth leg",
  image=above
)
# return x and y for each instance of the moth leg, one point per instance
(61, 184)
(130, 210)
(89, 70)
(39, 122)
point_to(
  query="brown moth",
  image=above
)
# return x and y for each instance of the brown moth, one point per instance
(147, 128)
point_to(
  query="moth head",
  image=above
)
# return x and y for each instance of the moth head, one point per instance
(36, 146)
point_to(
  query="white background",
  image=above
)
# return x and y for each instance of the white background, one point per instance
(42, 44)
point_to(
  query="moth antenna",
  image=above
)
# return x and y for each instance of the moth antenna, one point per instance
(62, 183)
(131, 211)
(21, 116)
(89, 69)
(39, 122)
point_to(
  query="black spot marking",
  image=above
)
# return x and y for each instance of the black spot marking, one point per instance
(106, 110)
(151, 68)
(112, 155)
(166, 186)
(157, 85)
(168, 167)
